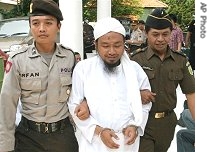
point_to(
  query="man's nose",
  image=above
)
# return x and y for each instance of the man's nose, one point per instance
(42, 28)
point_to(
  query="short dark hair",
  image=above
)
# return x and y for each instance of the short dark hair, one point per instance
(141, 22)
(76, 53)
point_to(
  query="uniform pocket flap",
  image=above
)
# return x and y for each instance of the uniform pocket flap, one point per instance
(175, 74)
(66, 80)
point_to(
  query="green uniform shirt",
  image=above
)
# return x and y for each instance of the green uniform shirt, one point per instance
(165, 76)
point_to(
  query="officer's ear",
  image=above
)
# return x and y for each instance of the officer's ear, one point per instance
(59, 26)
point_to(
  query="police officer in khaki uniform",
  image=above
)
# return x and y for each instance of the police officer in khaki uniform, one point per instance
(40, 76)
(136, 38)
(166, 70)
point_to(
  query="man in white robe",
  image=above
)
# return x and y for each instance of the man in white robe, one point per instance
(111, 84)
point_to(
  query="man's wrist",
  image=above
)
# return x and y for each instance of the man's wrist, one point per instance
(133, 126)
(98, 130)
(103, 129)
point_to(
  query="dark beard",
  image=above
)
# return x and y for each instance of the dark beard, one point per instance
(111, 68)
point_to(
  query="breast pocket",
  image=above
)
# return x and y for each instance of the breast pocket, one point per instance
(175, 75)
(65, 88)
(150, 73)
(31, 90)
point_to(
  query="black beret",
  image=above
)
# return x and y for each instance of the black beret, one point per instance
(141, 22)
(45, 7)
(158, 19)
(173, 17)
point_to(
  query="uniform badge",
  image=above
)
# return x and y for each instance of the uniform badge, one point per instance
(188, 63)
(147, 68)
(189, 68)
(68, 91)
(8, 66)
(31, 5)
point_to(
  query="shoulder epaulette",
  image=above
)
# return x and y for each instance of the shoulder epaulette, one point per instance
(137, 51)
(180, 53)
(19, 51)
(65, 47)
(144, 49)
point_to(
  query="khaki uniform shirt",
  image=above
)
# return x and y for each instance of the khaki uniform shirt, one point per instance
(165, 76)
(42, 89)
(137, 35)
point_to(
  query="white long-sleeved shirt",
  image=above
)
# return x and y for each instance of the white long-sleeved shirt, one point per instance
(107, 99)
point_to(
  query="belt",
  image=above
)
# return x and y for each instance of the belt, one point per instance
(162, 114)
(43, 127)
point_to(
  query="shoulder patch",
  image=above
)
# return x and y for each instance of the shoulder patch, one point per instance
(8, 66)
(19, 51)
(190, 70)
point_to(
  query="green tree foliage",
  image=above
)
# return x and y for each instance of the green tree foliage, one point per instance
(89, 9)
(184, 9)
(21, 9)
(24, 7)
(6, 14)
(119, 8)
(126, 7)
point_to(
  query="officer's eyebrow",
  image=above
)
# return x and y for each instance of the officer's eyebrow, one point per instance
(47, 18)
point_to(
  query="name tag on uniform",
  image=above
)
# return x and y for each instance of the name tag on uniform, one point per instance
(65, 70)
(147, 68)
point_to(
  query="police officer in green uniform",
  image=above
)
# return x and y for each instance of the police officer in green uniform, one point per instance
(166, 70)
(40, 76)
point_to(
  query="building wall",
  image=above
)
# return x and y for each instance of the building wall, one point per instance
(6, 6)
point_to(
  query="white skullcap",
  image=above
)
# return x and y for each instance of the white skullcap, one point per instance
(106, 25)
